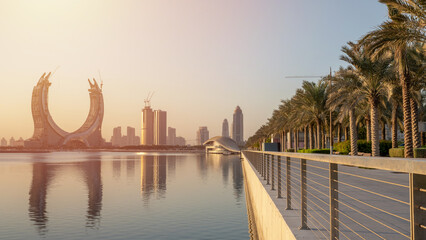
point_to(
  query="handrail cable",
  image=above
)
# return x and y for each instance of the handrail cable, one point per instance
(360, 224)
(321, 201)
(312, 217)
(322, 185)
(318, 229)
(341, 222)
(373, 179)
(372, 218)
(378, 194)
(327, 221)
(318, 219)
(314, 166)
(379, 209)
(341, 233)
(319, 175)
(317, 190)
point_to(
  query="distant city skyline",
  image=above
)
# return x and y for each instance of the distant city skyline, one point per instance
(185, 51)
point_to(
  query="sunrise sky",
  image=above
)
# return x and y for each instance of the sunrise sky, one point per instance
(202, 58)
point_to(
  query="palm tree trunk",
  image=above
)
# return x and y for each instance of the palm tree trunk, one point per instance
(415, 123)
(383, 131)
(368, 128)
(318, 145)
(394, 126)
(323, 138)
(296, 138)
(339, 133)
(354, 133)
(346, 134)
(284, 141)
(405, 83)
(305, 137)
(311, 134)
(374, 129)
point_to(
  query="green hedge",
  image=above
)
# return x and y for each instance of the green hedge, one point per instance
(343, 147)
(420, 152)
(290, 150)
(385, 145)
(363, 146)
(396, 152)
(320, 151)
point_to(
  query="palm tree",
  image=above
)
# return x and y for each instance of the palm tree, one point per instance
(311, 100)
(405, 27)
(395, 98)
(371, 73)
(343, 96)
(415, 61)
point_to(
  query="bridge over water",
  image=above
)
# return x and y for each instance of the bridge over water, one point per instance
(318, 196)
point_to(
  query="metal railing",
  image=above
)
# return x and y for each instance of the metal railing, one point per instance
(345, 197)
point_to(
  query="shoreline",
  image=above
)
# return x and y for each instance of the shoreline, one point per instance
(105, 150)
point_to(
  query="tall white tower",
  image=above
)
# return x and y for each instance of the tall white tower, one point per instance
(237, 126)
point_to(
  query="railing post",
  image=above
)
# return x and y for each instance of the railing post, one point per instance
(259, 164)
(268, 169)
(279, 176)
(303, 197)
(265, 156)
(263, 165)
(288, 176)
(334, 204)
(272, 173)
(418, 206)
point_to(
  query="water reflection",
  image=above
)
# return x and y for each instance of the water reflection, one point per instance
(116, 168)
(153, 176)
(155, 179)
(225, 163)
(43, 176)
(130, 166)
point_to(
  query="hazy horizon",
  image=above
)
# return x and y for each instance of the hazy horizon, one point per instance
(202, 58)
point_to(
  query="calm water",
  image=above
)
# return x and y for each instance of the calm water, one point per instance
(122, 196)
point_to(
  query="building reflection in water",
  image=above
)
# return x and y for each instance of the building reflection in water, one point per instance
(153, 176)
(225, 163)
(43, 176)
(171, 166)
(116, 168)
(130, 166)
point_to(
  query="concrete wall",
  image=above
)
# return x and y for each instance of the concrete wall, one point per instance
(272, 221)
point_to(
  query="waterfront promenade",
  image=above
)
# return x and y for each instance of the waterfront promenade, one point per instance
(370, 197)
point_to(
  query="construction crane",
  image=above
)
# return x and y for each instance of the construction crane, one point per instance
(148, 99)
(304, 76)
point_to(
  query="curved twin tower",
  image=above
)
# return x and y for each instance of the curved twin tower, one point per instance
(48, 134)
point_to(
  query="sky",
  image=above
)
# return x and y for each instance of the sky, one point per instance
(201, 58)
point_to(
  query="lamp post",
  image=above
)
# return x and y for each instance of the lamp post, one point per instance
(331, 122)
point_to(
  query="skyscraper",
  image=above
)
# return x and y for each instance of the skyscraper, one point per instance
(160, 127)
(3, 142)
(131, 137)
(237, 126)
(180, 141)
(225, 128)
(147, 134)
(171, 136)
(202, 135)
(116, 137)
(12, 142)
